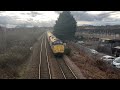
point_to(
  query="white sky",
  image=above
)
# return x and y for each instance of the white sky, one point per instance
(97, 12)
(23, 15)
(49, 17)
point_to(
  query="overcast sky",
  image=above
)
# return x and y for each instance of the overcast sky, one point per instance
(48, 18)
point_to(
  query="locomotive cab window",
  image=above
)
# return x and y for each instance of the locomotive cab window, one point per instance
(57, 42)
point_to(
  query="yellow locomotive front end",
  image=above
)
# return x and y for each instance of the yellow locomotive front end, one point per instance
(58, 49)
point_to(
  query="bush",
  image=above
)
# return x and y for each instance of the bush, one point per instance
(67, 51)
(9, 63)
(23, 50)
(101, 65)
(10, 59)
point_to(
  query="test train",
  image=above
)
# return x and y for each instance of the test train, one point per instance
(56, 44)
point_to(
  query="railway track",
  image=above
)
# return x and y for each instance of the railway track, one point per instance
(44, 67)
(62, 68)
(65, 69)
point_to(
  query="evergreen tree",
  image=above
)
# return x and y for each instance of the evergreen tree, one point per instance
(65, 26)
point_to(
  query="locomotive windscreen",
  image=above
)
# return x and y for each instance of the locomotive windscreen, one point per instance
(57, 42)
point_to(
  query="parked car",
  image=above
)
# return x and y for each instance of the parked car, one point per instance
(80, 42)
(116, 62)
(93, 51)
(108, 58)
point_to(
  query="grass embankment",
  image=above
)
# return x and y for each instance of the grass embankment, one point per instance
(18, 43)
(93, 68)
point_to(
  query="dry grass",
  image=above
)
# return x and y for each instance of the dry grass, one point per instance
(95, 69)
(18, 43)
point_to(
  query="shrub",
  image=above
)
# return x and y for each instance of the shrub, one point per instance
(10, 59)
(9, 63)
(101, 65)
(67, 51)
